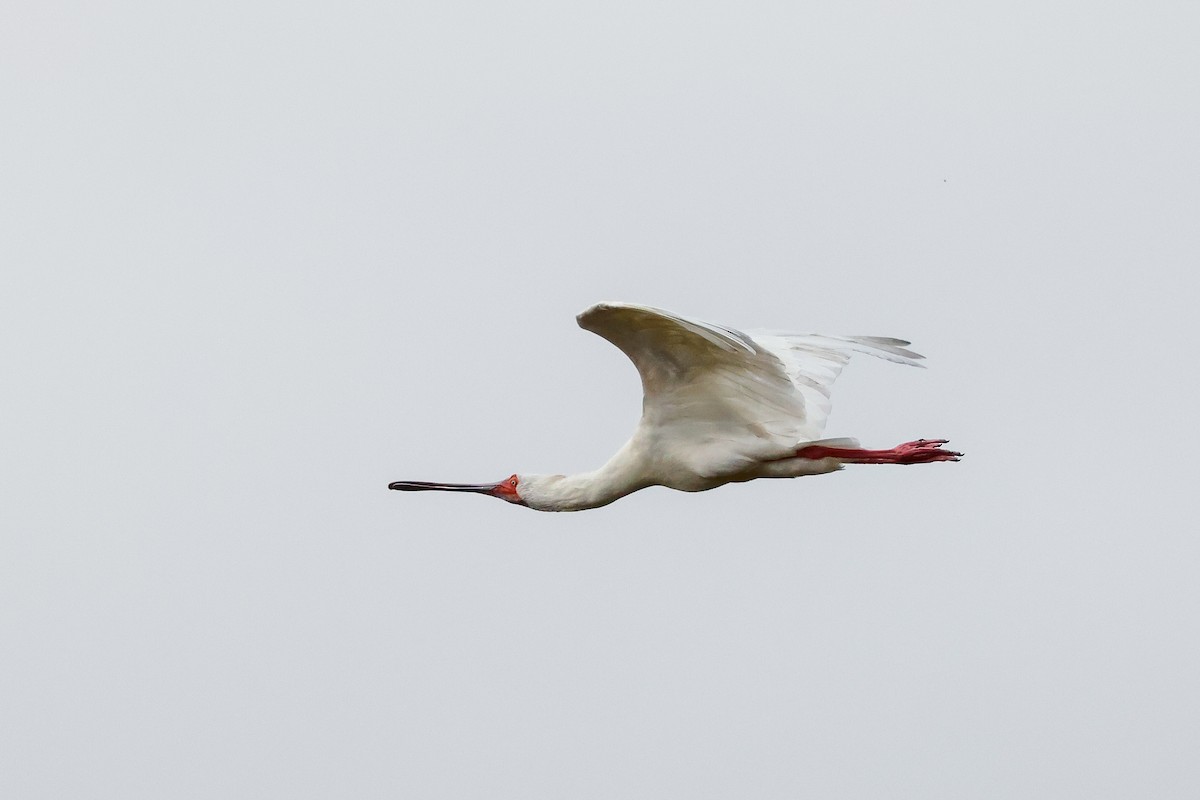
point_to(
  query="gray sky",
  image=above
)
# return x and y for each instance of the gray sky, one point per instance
(259, 260)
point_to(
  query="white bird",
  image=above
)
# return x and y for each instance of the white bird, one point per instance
(719, 406)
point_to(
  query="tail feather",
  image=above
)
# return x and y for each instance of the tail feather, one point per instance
(842, 442)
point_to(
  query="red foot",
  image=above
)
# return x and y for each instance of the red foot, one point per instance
(919, 452)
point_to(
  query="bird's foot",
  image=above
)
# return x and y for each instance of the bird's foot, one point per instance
(922, 451)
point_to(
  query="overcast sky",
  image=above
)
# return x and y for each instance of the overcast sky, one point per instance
(257, 260)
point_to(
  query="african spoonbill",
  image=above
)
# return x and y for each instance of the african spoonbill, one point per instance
(719, 406)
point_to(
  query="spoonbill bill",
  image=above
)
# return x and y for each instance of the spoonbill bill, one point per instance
(719, 406)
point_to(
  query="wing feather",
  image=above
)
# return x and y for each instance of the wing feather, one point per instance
(723, 382)
(814, 362)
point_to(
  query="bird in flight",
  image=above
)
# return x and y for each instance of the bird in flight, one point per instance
(719, 406)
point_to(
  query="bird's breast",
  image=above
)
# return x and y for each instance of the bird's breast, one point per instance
(699, 461)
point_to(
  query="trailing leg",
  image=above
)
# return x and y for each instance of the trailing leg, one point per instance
(919, 452)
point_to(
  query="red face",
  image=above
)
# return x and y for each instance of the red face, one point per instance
(507, 490)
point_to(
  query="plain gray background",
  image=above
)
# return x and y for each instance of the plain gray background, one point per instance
(261, 259)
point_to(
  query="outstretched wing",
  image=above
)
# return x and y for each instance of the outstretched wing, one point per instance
(724, 384)
(703, 384)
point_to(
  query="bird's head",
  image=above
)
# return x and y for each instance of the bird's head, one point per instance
(508, 489)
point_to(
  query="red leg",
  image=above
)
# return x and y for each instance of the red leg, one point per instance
(919, 452)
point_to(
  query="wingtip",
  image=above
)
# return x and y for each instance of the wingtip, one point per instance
(593, 308)
(596, 308)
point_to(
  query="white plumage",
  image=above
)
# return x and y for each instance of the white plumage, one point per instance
(719, 406)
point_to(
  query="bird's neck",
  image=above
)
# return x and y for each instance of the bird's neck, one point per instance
(622, 475)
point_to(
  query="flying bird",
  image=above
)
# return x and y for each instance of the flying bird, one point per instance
(719, 406)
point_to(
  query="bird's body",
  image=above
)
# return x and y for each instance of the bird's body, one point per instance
(719, 406)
